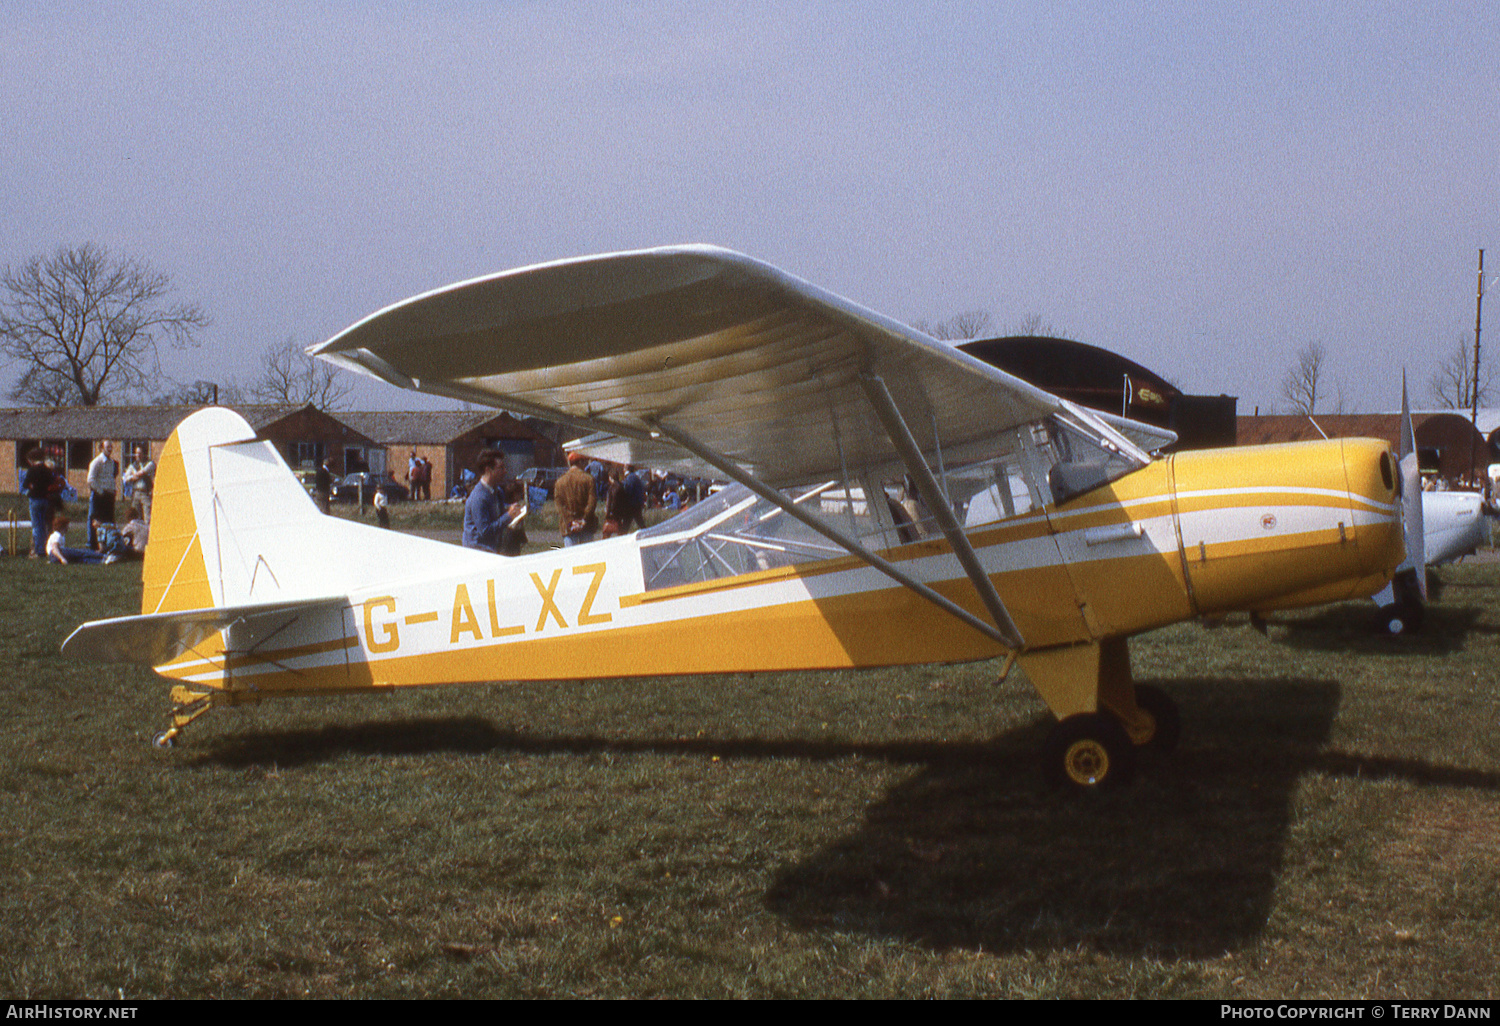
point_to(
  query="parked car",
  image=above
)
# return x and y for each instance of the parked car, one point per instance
(347, 489)
(308, 479)
(544, 478)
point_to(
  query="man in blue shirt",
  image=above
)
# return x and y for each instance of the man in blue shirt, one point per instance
(601, 479)
(483, 520)
(633, 504)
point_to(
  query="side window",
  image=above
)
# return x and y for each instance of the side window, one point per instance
(735, 532)
(1006, 492)
(1001, 485)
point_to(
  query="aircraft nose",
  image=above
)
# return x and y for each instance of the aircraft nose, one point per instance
(1375, 503)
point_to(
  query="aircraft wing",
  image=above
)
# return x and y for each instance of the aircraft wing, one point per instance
(762, 367)
(664, 456)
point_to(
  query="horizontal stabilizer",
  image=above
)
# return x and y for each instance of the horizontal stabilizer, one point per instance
(158, 638)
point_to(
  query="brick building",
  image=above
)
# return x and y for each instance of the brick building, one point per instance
(1447, 436)
(71, 435)
(451, 440)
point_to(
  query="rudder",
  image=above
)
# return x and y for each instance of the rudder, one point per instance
(175, 576)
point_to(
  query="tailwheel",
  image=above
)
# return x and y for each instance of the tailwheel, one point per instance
(1166, 729)
(1089, 752)
(187, 706)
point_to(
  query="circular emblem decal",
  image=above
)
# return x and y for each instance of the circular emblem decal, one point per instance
(1268, 521)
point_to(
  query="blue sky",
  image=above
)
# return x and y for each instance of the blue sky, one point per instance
(1203, 187)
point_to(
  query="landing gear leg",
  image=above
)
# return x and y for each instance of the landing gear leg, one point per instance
(1401, 606)
(1089, 689)
(1104, 717)
(187, 706)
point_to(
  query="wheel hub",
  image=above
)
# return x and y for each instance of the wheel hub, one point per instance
(1086, 762)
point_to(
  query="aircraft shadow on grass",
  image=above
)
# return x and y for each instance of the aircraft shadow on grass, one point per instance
(1182, 864)
(1351, 627)
(972, 851)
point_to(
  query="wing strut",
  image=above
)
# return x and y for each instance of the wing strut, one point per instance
(937, 502)
(727, 467)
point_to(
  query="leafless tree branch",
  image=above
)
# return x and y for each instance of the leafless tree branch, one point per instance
(1451, 385)
(83, 324)
(966, 325)
(1034, 324)
(1300, 386)
(289, 375)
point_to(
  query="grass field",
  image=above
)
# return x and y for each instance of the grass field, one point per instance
(1329, 827)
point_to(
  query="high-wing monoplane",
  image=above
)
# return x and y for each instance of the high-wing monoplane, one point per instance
(895, 501)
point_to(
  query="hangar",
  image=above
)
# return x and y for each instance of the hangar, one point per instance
(1097, 378)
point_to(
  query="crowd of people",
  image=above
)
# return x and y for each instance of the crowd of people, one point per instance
(495, 509)
(47, 493)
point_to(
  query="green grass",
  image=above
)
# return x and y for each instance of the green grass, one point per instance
(1330, 827)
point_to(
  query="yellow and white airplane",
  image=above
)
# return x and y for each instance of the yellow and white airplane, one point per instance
(896, 501)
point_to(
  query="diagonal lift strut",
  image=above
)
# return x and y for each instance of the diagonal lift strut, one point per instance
(937, 502)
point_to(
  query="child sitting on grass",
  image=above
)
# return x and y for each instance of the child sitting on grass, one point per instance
(59, 552)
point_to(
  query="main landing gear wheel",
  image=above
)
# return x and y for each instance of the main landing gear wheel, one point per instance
(1088, 752)
(1168, 722)
(1401, 618)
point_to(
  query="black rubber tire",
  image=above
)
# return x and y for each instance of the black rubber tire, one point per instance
(1163, 710)
(1087, 753)
(1401, 618)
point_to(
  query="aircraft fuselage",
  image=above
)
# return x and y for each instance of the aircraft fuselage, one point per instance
(1195, 534)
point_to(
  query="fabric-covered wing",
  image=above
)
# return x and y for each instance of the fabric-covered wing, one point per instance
(756, 363)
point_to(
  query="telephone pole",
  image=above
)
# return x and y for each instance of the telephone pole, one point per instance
(1474, 397)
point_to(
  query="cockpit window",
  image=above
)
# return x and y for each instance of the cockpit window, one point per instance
(734, 531)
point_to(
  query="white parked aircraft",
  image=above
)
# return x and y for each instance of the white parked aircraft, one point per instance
(1045, 533)
(1454, 525)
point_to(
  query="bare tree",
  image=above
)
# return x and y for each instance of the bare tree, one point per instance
(966, 325)
(969, 324)
(1451, 385)
(289, 375)
(1300, 387)
(84, 324)
(1034, 324)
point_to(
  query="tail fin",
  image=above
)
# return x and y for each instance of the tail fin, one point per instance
(220, 497)
(232, 526)
(175, 577)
